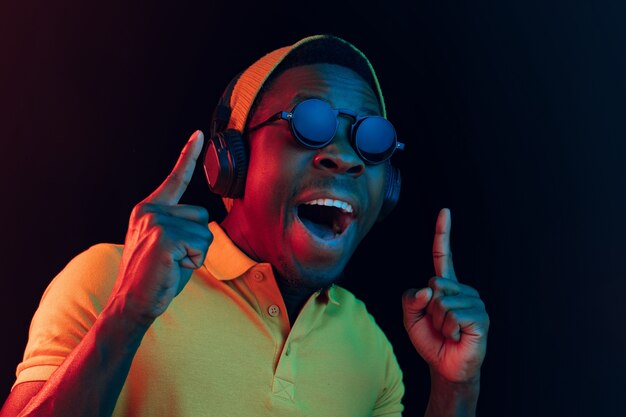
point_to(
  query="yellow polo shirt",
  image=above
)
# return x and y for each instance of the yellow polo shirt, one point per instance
(225, 347)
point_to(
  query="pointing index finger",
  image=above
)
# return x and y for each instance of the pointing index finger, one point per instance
(171, 190)
(442, 255)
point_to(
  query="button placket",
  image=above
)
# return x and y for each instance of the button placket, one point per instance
(270, 308)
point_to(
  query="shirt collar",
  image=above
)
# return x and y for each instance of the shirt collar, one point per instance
(224, 260)
(330, 294)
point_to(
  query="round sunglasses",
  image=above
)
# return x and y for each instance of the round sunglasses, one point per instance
(314, 123)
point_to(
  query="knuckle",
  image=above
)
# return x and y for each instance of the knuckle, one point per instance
(184, 153)
(138, 210)
(203, 247)
(469, 290)
(160, 233)
(178, 179)
(203, 214)
(432, 282)
(451, 320)
(452, 316)
(209, 238)
(167, 259)
(153, 220)
(443, 303)
(142, 209)
(437, 283)
(439, 253)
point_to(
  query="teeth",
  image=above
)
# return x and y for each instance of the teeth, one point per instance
(344, 206)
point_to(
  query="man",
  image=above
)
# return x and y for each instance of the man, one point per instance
(242, 318)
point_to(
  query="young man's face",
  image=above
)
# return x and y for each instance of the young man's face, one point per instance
(307, 244)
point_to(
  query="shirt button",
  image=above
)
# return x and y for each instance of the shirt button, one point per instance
(257, 276)
(273, 310)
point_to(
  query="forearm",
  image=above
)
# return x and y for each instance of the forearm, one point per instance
(449, 399)
(90, 379)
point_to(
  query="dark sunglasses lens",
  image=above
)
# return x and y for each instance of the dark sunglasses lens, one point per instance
(375, 139)
(314, 123)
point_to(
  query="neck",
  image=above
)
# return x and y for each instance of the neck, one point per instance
(294, 293)
(294, 296)
(233, 230)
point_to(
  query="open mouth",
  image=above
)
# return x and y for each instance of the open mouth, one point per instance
(326, 218)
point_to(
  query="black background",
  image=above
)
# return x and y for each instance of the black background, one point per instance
(514, 115)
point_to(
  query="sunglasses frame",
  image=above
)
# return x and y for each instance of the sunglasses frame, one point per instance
(284, 115)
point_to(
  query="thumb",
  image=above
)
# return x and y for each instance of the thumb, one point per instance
(414, 304)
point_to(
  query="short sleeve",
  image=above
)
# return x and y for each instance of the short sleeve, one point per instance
(67, 310)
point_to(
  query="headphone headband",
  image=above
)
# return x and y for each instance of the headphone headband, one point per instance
(222, 112)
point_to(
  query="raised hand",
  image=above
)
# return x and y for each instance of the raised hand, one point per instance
(447, 321)
(164, 243)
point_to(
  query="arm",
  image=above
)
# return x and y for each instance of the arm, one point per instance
(448, 325)
(91, 377)
(165, 242)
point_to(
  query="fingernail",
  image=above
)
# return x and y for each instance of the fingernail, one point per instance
(427, 292)
(196, 135)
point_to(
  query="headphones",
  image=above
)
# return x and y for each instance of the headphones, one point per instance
(225, 158)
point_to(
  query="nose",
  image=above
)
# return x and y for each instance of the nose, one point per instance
(339, 156)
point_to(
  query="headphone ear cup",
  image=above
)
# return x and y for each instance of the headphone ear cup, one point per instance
(240, 155)
(393, 182)
(226, 164)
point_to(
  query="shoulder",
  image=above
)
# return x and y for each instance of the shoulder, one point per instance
(348, 302)
(90, 274)
(95, 259)
(354, 310)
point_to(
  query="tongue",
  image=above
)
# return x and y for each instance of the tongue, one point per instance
(319, 230)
